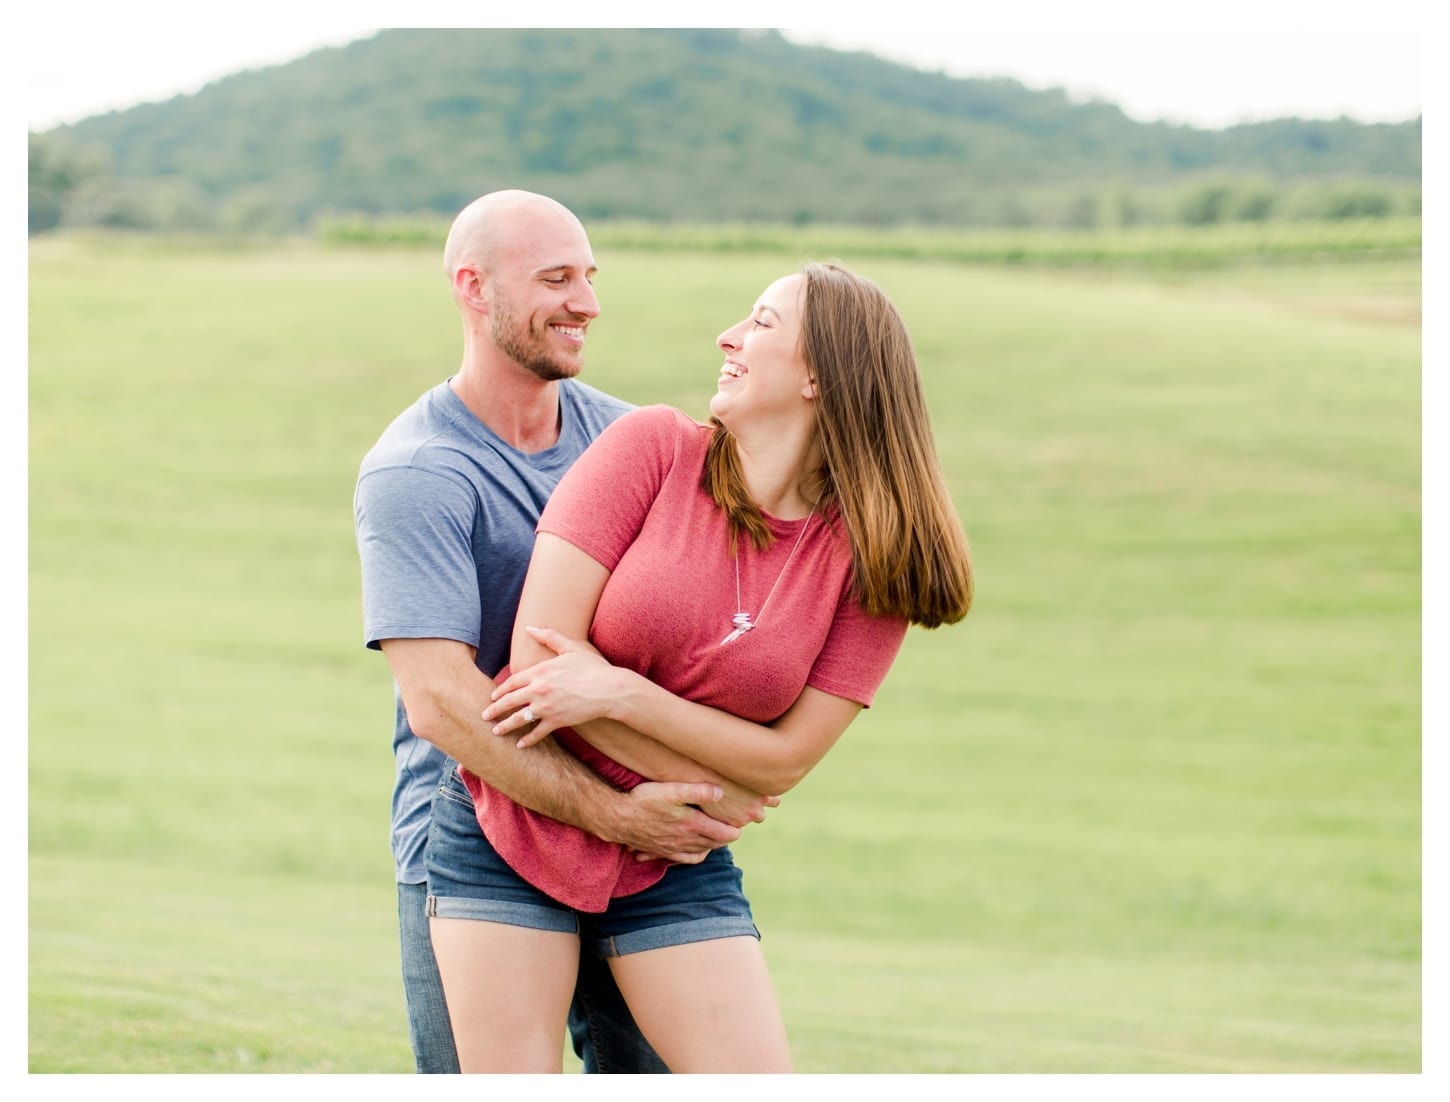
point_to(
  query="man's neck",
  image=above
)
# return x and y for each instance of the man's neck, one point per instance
(520, 408)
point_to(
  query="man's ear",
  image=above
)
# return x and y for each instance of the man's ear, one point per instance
(468, 287)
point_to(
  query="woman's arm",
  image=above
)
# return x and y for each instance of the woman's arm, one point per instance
(766, 758)
(567, 685)
(562, 589)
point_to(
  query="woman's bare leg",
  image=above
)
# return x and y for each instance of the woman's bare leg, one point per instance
(508, 990)
(706, 1007)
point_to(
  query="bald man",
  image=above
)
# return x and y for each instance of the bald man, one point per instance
(445, 507)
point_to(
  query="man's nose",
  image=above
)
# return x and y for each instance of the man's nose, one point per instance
(585, 302)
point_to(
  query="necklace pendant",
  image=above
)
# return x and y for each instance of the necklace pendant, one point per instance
(742, 623)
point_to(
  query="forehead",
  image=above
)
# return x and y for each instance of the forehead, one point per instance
(784, 296)
(543, 244)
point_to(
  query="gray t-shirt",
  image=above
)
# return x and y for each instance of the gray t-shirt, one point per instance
(445, 514)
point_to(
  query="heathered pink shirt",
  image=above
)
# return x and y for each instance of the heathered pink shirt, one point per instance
(634, 503)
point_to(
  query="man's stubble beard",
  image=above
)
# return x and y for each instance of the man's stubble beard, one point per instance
(528, 349)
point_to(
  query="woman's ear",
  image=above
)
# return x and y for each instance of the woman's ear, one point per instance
(809, 391)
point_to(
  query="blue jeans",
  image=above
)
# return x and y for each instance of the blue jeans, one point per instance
(600, 1025)
(429, 1030)
(467, 878)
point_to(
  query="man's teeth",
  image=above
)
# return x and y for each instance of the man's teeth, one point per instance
(571, 330)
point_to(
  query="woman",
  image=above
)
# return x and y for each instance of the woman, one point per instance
(748, 584)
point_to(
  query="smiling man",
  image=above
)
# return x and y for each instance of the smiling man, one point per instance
(445, 506)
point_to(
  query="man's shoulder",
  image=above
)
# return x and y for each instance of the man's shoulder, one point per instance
(422, 430)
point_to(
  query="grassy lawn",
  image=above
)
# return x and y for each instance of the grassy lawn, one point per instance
(1154, 807)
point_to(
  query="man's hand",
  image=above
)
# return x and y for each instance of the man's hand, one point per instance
(576, 686)
(739, 807)
(661, 819)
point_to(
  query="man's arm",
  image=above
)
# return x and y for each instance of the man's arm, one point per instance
(444, 695)
(739, 806)
(556, 611)
(579, 689)
(562, 588)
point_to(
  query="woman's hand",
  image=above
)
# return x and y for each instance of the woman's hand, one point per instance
(739, 806)
(576, 686)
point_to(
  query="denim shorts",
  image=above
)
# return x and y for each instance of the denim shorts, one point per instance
(468, 879)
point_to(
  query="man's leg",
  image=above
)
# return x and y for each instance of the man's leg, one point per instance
(428, 1027)
(603, 1030)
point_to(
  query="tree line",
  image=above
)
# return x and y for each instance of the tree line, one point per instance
(685, 126)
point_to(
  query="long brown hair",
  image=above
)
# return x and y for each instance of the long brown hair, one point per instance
(881, 474)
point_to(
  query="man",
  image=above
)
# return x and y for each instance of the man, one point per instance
(445, 507)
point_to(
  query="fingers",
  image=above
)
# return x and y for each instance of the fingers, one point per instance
(506, 702)
(665, 824)
(736, 816)
(535, 728)
(516, 680)
(718, 833)
(555, 641)
(691, 792)
(692, 858)
(561, 644)
(518, 713)
(538, 734)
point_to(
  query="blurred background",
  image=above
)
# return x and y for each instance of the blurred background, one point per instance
(707, 125)
(1155, 806)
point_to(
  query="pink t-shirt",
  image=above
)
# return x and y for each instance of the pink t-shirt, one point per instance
(634, 503)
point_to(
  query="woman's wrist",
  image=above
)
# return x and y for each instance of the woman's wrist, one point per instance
(626, 704)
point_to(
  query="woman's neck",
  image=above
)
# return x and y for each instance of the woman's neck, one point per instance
(779, 475)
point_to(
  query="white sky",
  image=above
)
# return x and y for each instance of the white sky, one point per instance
(1253, 60)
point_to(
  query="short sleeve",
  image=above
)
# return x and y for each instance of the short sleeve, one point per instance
(858, 652)
(415, 540)
(601, 503)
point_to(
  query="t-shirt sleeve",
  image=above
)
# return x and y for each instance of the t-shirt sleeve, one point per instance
(858, 652)
(415, 540)
(601, 503)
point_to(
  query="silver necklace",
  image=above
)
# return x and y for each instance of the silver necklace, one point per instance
(741, 620)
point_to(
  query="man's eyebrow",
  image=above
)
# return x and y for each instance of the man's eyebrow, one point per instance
(593, 269)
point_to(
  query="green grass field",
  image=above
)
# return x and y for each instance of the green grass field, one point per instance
(1154, 807)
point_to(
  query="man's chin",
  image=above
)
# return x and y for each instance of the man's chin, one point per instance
(553, 371)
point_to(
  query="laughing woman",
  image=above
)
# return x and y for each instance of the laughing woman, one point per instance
(744, 586)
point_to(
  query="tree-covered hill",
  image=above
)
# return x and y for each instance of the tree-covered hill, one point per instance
(681, 125)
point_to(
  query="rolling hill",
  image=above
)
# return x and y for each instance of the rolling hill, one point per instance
(695, 125)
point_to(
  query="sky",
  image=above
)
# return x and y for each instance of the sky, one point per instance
(1268, 59)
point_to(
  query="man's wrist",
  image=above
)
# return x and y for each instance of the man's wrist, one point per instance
(607, 810)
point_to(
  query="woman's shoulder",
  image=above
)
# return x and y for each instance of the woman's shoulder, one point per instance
(664, 426)
(664, 415)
